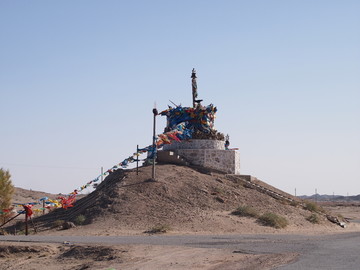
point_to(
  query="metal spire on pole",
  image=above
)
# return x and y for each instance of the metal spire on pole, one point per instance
(194, 86)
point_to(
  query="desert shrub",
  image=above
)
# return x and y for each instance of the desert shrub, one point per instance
(245, 211)
(57, 223)
(159, 229)
(311, 206)
(80, 220)
(273, 220)
(294, 203)
(341, 218)
(313, 218)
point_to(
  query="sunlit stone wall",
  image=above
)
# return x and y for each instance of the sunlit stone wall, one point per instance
(207, 153)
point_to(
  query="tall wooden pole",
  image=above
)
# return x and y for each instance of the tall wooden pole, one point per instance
(155, 112)
(26, 224)
(137, 159)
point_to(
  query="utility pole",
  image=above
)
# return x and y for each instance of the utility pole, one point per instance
(155, 112)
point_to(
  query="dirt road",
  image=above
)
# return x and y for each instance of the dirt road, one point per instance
(338, 251)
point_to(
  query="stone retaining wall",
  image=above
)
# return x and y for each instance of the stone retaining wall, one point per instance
(223, 160)
(207, 153)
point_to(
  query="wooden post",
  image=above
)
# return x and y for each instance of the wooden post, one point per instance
(137, 159)
(43, 207)
(155, 112)
(26, 224)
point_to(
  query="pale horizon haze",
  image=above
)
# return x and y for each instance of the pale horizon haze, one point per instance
(78, 82)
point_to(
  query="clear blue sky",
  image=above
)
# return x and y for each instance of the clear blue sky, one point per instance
(78, 81)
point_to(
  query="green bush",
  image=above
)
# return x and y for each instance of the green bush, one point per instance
(57, 223)
(6, 190)
(273, 220)
(294, 203)
(80, 220)
(341, 218)
(311, 206)
(313, 218)
(245, 211)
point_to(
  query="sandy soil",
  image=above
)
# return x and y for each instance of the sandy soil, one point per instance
(350, 211)
(28, 256)
(21, 256)
(225, 224)
(185, 201)
(182, 199)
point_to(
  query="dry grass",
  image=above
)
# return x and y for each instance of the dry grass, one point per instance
(80, 220)
(313, 218)
(313, 207)
(246, 211)
(273, 220)
(160, 228)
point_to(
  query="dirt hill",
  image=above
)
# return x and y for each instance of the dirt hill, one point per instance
(183, 199)
(27, 196)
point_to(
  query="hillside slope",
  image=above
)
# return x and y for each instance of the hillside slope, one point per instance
(183, 199)
(27, 196)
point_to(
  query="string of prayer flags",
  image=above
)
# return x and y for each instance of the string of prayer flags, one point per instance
(67, 202)
(55, 203)
(182, 122)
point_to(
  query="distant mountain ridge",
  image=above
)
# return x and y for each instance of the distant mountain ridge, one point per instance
(325, 198)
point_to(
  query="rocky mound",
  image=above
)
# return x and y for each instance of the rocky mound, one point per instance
(183, 199)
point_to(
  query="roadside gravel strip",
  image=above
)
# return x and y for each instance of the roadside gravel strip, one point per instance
(337, 251)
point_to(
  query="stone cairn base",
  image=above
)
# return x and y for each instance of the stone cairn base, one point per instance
(206, 153)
